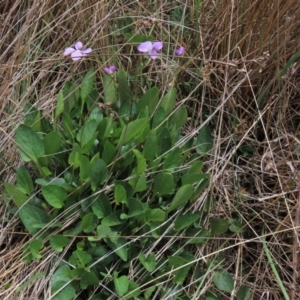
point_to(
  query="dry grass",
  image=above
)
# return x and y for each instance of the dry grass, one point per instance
(234, 60)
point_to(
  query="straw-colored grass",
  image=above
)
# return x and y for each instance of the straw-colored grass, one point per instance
(237, 51)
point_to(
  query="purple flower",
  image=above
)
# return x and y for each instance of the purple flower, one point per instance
(77, 52)
(110, 69)
(179, 51)
(150, 48)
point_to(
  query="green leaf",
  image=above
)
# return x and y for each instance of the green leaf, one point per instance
(121, 285)
(30, 145)
(193, 178)
(173, 160)
(109, 152)
(150, 148)
(46, 125)
(76, 113)
(120, 194)
(86, 133)
(236, 226)
(35, 247)
(164, 142)
(135, 208)
(26, 253)
(92, 99)
(148, 292)
(76, 230)
(155, 215)
(134, 291)
(204, 142)
(127, 109)
(118, 245)
(61, 274)
(75, 156)
(184, 221)
(24, 181)
(110, 91)
(218, 226)
(68, 125)
(196, 167)
(175, 135)
(159, 118)
(148, 262)
(243, 293)
(66, 293)
(58, 283)
(197, 236)
(17, 196)
(89, 222)
(141, 184)
(132, 130)
(33, 117)
(88, 279)
(180, 275)
(99, 173)
(113, 219)
(86, 85)
(135, 38)
(103, 231)
(106, 128)
(80, 258)
(126, 185)
(223, 281)
(211, 296)
(141, 162)
(169, 100)
(101, 206)
(60, 105)
(54, 195)
(69, 96)
(182, 196)
(54, 181)
(85, 169)
(200, 188)
(46, 172)
(123, 87)
(163, 184)
(52, 142)
(181, 15)
(96, 114)
(33, 218)
(150, 99)
(179, 117)
(58, 242)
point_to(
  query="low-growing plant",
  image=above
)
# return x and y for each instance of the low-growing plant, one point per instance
(107, 182)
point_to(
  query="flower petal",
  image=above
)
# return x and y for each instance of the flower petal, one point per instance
(107, 70)
(86, 51)
(179, 51)
(76, 55)
(145, 47)
(78, 45)
(153, 54)
(68, 51)
(157, 46)
(112, 68)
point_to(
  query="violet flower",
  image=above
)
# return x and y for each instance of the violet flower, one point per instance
(78, 52)
(110, 69)
(150, 48)
(180, 51)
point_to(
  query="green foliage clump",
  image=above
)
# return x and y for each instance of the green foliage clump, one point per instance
(109, 180)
